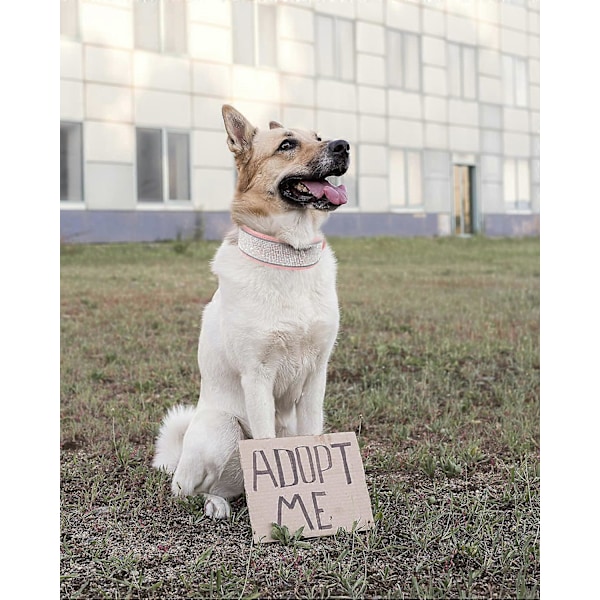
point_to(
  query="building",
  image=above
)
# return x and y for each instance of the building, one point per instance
(438, 98)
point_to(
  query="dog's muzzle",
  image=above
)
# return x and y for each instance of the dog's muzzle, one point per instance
(311, 188)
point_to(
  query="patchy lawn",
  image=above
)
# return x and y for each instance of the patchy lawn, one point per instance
(436, 369)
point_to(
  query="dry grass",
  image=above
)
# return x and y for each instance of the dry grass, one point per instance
(437, 367)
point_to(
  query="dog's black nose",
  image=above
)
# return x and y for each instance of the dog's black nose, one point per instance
(339, 147)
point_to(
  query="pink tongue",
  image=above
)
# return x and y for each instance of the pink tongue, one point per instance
(335, 195)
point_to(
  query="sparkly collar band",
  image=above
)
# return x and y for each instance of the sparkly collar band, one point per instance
(274, 253)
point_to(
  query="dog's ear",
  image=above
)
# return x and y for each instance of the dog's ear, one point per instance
(275, 125)
(239, 130)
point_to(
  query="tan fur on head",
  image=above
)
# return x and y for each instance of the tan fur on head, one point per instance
(261, 167)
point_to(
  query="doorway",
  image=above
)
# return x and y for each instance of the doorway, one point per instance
(464, 222)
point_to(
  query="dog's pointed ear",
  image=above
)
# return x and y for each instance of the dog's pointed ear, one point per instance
(240, 131)
(275, 125)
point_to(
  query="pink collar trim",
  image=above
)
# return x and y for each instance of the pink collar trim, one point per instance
(270, 251)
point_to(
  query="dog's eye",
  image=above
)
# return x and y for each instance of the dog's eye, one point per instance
(287, 145)
(319, 139)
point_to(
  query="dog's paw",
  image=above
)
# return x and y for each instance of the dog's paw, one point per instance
(216, 507)
(177, 489)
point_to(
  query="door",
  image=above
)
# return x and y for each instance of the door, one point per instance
(464, 197)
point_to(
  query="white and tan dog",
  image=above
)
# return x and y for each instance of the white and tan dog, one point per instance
(268, 332)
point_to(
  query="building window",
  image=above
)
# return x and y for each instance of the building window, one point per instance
(71, 162)
(254, 34)
(163, 165)
(462, 72)
(514, 80)
(517, 187)
(406, 187)
(69, 18)
(403, 60)
(335, 49)
(160, 25)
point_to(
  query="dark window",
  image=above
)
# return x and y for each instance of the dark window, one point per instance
(149, 165)
(162, 156)
(71, 158)
(178, 158)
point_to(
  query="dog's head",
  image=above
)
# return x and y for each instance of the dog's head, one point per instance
(282, 169)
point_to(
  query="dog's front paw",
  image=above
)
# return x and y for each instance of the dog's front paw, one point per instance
(216, 507)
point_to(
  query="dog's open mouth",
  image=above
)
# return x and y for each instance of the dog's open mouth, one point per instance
(319, 194)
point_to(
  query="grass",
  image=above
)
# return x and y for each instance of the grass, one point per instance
(436, 369)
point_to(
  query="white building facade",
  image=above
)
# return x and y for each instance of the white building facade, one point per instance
(439, 100)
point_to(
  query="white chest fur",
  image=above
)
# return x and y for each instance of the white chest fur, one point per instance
(276, 327)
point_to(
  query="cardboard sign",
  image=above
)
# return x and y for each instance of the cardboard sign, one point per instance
(316, 482)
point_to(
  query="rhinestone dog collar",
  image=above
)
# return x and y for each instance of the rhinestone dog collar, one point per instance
(270, 251)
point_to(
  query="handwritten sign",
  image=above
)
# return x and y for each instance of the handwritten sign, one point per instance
(316, 482)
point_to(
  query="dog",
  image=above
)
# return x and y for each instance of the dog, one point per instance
(268, 332)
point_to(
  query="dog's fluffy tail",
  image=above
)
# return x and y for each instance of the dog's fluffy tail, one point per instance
(169, 442)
